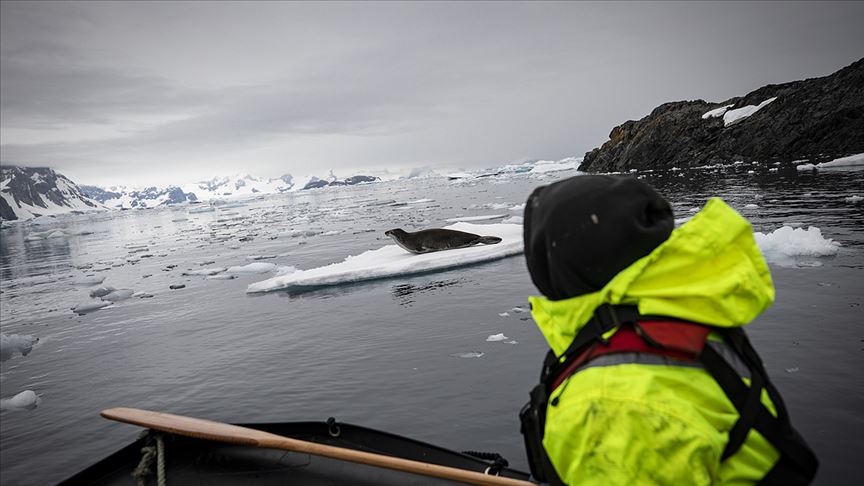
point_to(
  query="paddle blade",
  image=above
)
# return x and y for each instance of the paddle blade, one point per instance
(189, 426)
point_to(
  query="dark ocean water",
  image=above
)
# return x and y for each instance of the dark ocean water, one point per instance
(382, 354)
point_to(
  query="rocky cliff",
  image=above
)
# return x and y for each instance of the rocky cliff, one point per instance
(815, 119)
(28, 192)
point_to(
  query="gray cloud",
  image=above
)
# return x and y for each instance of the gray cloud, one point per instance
(128, 92)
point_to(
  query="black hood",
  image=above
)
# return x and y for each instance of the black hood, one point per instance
(582, 231)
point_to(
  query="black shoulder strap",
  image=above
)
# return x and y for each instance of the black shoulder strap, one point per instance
(798, 463)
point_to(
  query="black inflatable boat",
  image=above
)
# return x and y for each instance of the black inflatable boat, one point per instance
(193, 461)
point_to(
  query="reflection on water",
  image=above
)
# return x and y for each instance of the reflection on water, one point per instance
(405, 294)
(379, 353)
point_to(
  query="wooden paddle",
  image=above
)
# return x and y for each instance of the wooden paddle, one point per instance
(233, 434)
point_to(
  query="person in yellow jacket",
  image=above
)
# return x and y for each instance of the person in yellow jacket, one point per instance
(650, 379)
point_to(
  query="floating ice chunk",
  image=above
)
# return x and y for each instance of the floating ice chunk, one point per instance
(518, 309)
(142, 295)
(16, 343)
(89, 280)
(91, 306)
(470, 354)
(518, 207)
(285, 270)
(716, 112)
(791, 242)
(504, 314)
(118, 295)
(513, 220)
(751, 206)
(331, 233)
(544, 166)
(732, 117)
(496, 206)
(204, 271)
(26, 400)
(496, 338)
(805, 167)
(259, 267)
(475, 218)
(101, 291)
(420, 201)
(206, 209)
(512, 341)
(850, 161)
(854, 199)
(392, 261)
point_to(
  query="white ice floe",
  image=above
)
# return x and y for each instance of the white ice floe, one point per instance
(420, 201)
(101, 291)
(470, 354)
(393, 261)
(856, 160)
(258, 267)
(89, 280)
(118, 295)
(716, 112)
(260, 257)
(850, 161)
(16, 344)
(475, 218)
(504, 314)
(497, 338)
(751, 206)
(513, 220)
(787, 242)
(732, 117)
(85, 307)
(854, 199)
(26, 400)
(544, 166)
(518, 207)
(205, 271)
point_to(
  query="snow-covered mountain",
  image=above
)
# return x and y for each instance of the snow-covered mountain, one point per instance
(28, 192)
(120, 197)
(238, 186)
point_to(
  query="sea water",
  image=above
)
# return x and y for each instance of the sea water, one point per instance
(445, 357)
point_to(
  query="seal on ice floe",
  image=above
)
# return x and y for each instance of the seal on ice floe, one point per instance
(430, 240)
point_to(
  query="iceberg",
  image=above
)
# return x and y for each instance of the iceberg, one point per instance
(475, 218)
(787, 242)
(16, 343)
(392, 261)
(259, 267)
(26, 400)
(87, 307)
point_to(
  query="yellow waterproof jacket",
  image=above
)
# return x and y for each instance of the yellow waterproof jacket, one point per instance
(661, 424)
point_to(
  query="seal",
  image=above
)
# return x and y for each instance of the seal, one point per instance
(426, 241)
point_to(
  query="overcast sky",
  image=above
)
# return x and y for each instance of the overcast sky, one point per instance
(169, 92)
